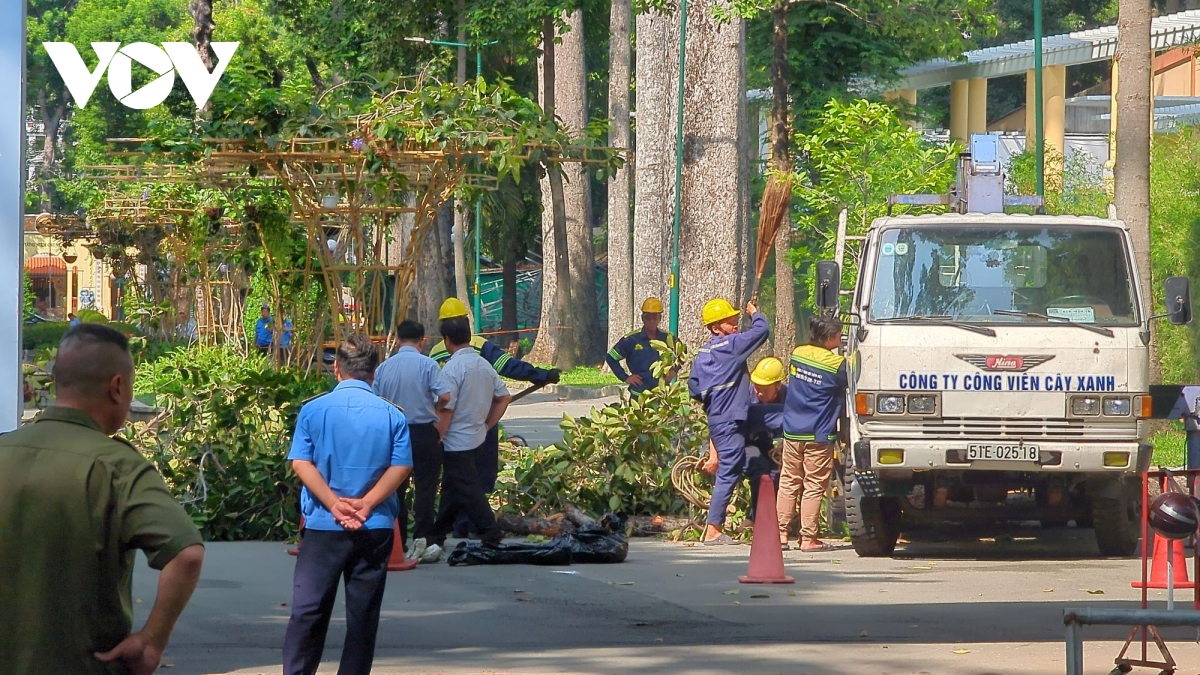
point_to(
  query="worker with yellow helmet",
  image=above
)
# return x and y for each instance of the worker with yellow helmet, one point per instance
(637, 349)
(508, 366)
(720, 380)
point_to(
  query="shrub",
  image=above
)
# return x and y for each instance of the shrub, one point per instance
(91, 316)
(44, 334)
(618, 458)
(222, 438)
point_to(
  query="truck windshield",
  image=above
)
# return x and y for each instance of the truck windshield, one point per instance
(1077, 274)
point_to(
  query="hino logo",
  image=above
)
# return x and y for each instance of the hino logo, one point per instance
(171, 58)
(1011, 364)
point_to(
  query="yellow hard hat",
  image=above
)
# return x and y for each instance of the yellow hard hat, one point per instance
(716, 310)
(768, 371)
(652, 305)
(452, 308)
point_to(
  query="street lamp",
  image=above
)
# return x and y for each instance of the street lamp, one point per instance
(476, 301)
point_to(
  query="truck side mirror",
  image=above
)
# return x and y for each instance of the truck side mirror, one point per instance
(829, 285)
(1178, 295)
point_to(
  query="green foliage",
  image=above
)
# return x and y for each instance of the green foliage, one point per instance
(1174, 235)
(43, 334)
(1077, 190)
(28, 298)
(858, 154)
(91, 316)
(223, 438)
(617, 458)
(1170, 447)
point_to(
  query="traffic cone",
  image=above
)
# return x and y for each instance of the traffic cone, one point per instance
(397, 563)
(1158, 567)
(296, 551)
(766, 554)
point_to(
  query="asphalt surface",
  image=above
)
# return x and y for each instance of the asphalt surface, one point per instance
(969, 602)
(963, 603)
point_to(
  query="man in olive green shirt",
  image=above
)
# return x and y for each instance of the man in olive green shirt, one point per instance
(75, 507)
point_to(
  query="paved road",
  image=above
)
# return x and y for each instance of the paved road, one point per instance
(671, 608)
(536, 417)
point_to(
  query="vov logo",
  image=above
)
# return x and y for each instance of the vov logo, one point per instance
(171, 58)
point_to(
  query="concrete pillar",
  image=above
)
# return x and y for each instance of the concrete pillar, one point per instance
(1031, 130)
(1112, 126)
(1054, 115)
(977, 106)
(959, 107)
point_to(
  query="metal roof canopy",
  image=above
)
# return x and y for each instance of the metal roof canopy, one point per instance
(1071, 49)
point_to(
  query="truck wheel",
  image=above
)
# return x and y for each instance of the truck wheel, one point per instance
(1116, 516)
(874, 522)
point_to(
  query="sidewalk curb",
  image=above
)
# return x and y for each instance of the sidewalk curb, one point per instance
(569, 393)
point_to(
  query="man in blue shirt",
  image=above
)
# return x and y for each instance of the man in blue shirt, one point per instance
(351, 450)
(414, 383)
(637, 350)
(263, 333)
(816, 395)
(720, 381)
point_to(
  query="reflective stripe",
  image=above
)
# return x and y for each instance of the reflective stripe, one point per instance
(719, 387)
(813, 364)
(500, 362)
(613, 353)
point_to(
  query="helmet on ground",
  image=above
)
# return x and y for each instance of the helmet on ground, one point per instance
(1174, 515)
(717, 309)
(452, 308)
(652, 305)
(768, 371)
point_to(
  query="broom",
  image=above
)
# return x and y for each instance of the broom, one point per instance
(777, 196)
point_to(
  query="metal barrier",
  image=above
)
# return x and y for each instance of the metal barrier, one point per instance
(1147, 619)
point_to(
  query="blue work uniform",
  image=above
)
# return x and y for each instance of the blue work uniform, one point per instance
(639, 354)
(263, 333)
(488, 460)
(763, 426)
(720, 380)
(817, 379)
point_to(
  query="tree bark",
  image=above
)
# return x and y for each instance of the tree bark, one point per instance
(785, 292)
(51, 122)
(1131, 170)
(620, 253)
(657, 38)
(460, 214)
(556, 341)
(202, 34)
(714, 238)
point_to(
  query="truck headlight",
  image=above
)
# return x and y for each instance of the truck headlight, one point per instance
(1117, 406)
(922, 404)
(1085, 406)
(889, 404)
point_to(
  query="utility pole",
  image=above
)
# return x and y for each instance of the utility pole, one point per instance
(674, 320)
(1131, 169)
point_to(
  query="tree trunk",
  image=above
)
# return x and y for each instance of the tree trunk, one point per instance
(785, 292)
(620, 252)
(202, 34)
(714, 239)
(1131, 171)
(657, 63)
(556, 341)
(460, 214)
(51, 121)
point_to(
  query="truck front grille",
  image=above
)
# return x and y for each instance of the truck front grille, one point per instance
(981, 428)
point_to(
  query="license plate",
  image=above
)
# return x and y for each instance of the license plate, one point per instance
(1013, 453)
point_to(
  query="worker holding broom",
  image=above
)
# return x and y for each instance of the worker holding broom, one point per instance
(720, 381)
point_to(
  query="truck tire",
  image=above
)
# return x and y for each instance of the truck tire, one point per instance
(874, 522)
(1116, 516)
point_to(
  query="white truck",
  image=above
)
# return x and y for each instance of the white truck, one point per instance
(999, 368)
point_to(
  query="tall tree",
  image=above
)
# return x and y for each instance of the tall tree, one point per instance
(45, 93)
(620, 254)
(460, 213)
(1131, 171)
(781, 161)
(713, 246)
(557, 342)
(657, 38)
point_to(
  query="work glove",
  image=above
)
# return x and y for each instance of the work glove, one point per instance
(552, 376)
